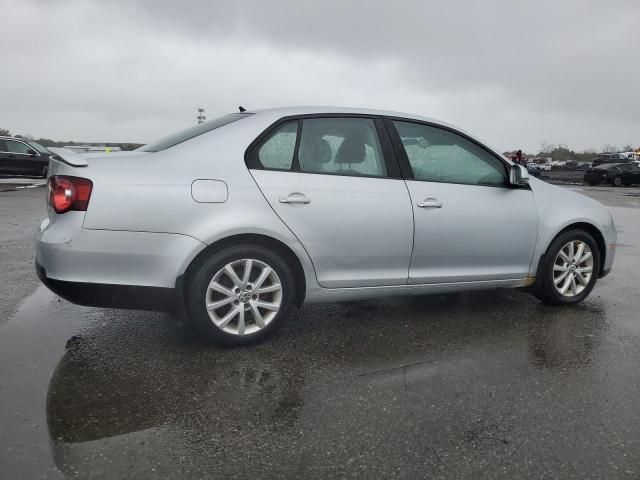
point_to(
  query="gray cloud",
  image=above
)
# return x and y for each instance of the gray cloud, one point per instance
(515, 73)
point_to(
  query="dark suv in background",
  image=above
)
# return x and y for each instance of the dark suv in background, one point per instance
(617, 174)
(23, 157)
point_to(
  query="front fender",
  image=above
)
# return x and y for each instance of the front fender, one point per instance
(559, 209)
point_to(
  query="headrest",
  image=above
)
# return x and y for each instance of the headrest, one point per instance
(352, 150)
(313, 153)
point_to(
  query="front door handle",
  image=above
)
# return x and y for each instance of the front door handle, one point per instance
(295, 198)
(430, 203)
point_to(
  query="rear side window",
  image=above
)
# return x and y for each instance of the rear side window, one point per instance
(344, 146)
(340, 146)
(18, 147)
(192, 132)
(3, 146)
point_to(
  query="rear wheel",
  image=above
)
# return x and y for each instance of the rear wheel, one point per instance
(617, 181)
(240, 295)
(569, 270)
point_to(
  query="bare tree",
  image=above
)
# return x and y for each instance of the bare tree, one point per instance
(4, 132)
(608, 148)
(547, 148)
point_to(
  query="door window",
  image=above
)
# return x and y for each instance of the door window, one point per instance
(341, 146)
(17, 147)
(3, 146)
(438, 155)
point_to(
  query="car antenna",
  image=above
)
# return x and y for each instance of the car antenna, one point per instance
(242, 109)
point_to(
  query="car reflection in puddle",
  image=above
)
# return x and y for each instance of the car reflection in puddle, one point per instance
(343, 383)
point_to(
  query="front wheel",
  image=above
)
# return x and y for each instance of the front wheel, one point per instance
(617, 181)
(240, 295)
(570, 269)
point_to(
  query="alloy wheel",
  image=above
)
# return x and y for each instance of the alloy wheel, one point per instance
(573, 268)
(244, 296)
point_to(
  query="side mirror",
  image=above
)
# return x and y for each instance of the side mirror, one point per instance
(32, 152)
(519, 176)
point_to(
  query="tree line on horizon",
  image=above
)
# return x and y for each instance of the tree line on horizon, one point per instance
(562, 153)
(47, 142)
(559, 152)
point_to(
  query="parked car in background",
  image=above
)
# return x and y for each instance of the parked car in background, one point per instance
(534, 170)
(617, 174)
(236, 220)
(584, 166)
(610, 158)
(558, 164)
(23, 157)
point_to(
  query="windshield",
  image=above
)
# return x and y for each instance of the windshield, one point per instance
(40, 148)
(191, 132)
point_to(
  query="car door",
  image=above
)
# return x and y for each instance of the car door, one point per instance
(21, 158)
(631, 175)
(470, 225)
(5, 166)
(335, 183)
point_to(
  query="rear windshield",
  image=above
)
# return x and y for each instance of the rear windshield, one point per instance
(191, 132)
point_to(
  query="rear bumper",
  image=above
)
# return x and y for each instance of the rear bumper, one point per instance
(70, 253)
(113, 296)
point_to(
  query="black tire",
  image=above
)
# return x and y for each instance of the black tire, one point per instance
(617, 181)
(544, 288)
(196, 291)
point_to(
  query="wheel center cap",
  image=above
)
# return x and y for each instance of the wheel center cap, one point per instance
(244, 297)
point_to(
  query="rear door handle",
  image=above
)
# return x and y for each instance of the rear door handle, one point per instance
(430, 203)
(295, 198)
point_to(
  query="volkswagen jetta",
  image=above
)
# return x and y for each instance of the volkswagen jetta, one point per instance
(234, 221)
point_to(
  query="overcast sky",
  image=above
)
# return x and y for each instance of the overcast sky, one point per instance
(514, 73)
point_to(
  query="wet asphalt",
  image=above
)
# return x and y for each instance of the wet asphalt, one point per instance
(476, 385)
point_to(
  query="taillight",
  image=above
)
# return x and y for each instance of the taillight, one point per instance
(69, 193)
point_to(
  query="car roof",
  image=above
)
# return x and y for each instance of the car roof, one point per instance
(310, 110)
(24, 140)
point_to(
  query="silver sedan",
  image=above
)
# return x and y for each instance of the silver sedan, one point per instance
(233, 222)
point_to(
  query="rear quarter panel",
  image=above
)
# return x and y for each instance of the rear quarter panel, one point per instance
(152, 192)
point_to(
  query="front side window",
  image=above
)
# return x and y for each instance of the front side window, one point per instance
(438, 155)
(343, 146)
(17, 147)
